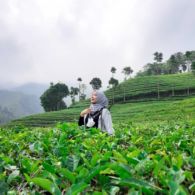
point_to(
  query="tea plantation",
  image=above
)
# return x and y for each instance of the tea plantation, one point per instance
(66, 159)
(152, 151)
(156, 97)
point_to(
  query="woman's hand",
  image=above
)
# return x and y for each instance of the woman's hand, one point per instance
(86, 111)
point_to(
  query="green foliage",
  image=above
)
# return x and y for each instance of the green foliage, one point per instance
(127, 71)
(190, 56)
(153, 69)
(113, 71)
(73, 92)
(178, 62)
(66, 159)
(46, 184)
(52, 98)
(96, 83)
(158, 57)
(193, 67)
(114, 82)
(81, 90)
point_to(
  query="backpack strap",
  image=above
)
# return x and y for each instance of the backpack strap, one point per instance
(98, 113)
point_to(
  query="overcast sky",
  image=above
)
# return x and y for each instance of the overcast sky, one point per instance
(61, 40)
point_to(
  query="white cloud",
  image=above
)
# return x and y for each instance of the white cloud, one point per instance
(43, 40)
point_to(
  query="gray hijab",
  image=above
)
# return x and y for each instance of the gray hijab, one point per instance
(102, 102)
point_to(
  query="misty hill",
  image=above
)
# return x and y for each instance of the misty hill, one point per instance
(36, 89)
(16, 104)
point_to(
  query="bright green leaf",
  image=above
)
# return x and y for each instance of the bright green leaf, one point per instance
(76, 188)
(46, 184)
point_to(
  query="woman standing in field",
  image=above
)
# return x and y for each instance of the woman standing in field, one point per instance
(97, 115)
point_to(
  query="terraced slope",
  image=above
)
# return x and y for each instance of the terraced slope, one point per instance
(169, 90)
(140, 112)
(153, 87)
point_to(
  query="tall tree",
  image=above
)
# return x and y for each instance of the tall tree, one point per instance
(173, 65)
(157, 65)
(52, 98)
(114, 82)
(193, 67)
(188, 54)
(127, 71)
(176, 62)
(190, 57)
(83, 87)
(158, 57)
(79, 79)
(73, 92)
(113, 71)
(96, 83)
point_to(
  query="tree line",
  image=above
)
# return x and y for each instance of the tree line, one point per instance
(177, 63)
(52, 98)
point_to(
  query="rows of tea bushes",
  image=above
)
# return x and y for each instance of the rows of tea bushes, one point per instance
(148, 90)
(66, 159)
(153, 87)
(172, 86)
(137, 112)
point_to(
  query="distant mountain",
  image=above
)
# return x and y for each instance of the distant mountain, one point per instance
(15, 104)
(23, 100)
(36, 89)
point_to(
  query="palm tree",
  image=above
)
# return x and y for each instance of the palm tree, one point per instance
(158, 57)
(83, 88)
(113, 82)
(193, 67)
(113, 71)
(73, 92)
(79, 80)
(127, 71)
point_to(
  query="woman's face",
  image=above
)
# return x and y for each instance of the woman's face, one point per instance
(93, 98)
